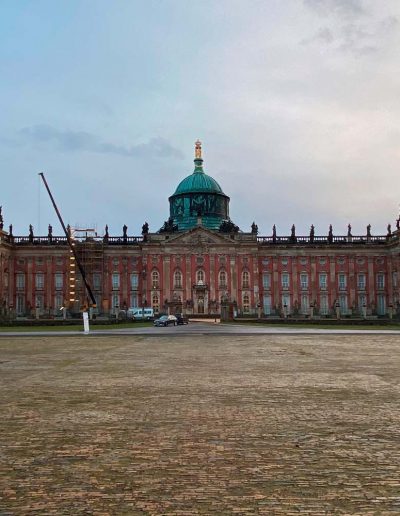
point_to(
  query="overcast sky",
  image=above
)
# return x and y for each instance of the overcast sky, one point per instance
(297, 104)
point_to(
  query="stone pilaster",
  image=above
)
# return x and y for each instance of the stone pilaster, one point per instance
(371, 282)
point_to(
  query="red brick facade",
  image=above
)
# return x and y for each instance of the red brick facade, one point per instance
(200, 270)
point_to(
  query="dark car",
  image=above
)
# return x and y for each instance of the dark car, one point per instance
(181, 319)
(165, 320)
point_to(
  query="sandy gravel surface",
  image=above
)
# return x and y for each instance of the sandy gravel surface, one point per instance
(261, 424)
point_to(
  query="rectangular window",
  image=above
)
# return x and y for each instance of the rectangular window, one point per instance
(246, 303)
(58, 280)
(39, 301)
(58, 301)
(342, 281)
(39, 280)
(267, 304)
(134, 300)
(115, 301)
(266, 280)
(381, 307)
(380, 281)
(324, 306)
(115, 280)
(305, 304)
(286, 303)
(20, 304)
(323, 281)
(96, 281)
(343, 304)
(178, 279)
(134, 281)
(362, 303)
(395, 279)
(20, 281)
(304, 281)
(285, 280)
(361, 282)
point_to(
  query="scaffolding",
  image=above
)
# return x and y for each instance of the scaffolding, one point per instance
(90, 250)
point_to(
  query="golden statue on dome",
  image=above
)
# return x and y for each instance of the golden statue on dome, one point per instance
(197, 149)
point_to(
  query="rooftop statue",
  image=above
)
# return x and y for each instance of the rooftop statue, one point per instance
(145, 228)
(169, 226)
(349, 230)
(293, 234)
(330, 234)
(197, 149)
(312, 233)
(227, 226)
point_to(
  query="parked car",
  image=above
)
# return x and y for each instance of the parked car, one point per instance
(165, 320)
(140, 314)
(181, 319)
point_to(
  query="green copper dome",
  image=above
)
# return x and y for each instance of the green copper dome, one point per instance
(198, 182)
(198, 199)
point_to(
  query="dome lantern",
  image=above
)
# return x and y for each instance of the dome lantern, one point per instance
(198, 196)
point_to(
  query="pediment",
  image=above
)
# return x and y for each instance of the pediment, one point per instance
(198, 236)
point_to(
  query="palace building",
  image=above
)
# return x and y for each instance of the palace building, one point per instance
(200, 262)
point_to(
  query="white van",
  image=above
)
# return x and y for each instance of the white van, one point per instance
(140, 314)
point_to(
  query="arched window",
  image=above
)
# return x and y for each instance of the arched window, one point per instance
(200, 277)
(245, 279)
(178, 279)
(222, 279)
(155, 279)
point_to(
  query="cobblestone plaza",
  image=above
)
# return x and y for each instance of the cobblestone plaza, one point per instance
(259, 424)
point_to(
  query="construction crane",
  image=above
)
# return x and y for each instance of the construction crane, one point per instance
(71, 246)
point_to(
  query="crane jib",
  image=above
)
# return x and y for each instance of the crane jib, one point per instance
(71, 246)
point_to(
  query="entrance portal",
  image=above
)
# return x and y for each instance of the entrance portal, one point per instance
(200, 304)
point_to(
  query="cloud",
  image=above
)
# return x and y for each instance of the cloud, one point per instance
(355, 38)
(340, 8)
(323, 35)
(73, 141)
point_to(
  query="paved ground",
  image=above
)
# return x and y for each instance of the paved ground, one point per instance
(211, 328)
(260, 424)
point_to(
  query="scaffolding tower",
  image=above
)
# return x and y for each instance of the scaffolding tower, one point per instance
(90, 250)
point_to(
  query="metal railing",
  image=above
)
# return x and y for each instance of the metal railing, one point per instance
(57, 240)
(326, 240)
(263, 240)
